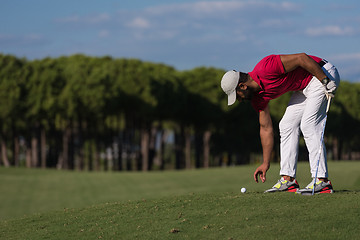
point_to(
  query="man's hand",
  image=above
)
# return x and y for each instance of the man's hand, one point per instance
(330, 87)
(261, 171)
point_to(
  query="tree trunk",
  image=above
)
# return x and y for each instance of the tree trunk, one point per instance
(115, 153)
(229, 160)
(16, 147)
(161, 157)
(28, 155)
(179, 148)
(162, 150)
(43, 148)
(337, 148)
(198, 149)
(152, 146)
(63, 162)
(129, 165)
(34, 151)
(187, 148)
(66, 139)
(109, 159)
(341, 150)
(206, 139)
(4, 157)
(117, 146)
(80, 147)
(16, 151)
(71, 146)
(145, 149)
(97, 163)
(90, 155)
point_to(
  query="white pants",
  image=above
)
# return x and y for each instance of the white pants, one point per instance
(305, 112)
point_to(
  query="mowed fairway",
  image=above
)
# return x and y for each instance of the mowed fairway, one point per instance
(195, 204)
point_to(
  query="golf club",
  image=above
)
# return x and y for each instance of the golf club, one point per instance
(321, 145)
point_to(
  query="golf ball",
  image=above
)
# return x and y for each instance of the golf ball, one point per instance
(243, 190)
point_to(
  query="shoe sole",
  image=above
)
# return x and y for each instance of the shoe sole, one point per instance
(330, 191)
(291, 189)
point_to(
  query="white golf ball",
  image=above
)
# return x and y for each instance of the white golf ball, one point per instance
(243, 190)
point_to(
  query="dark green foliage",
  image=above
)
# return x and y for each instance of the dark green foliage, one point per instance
(69, 110)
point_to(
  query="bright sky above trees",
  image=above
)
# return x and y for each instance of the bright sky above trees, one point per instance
(186, 33)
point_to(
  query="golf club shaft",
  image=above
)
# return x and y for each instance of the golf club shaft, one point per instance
(321, 145)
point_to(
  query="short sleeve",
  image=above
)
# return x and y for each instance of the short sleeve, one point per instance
(270, 67)
(258, 103)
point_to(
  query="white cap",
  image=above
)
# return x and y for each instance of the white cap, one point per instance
(229, 83)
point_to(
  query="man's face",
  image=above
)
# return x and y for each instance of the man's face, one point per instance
(244, 94)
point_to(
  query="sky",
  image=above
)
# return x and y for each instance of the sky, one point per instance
(185, 34)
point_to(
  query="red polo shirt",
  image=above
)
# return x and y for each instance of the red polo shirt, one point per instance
(269, 73)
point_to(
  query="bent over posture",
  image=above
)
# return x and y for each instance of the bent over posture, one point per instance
(313, 80)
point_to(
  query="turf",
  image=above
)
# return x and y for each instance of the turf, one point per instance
(197, 204)
(200, 216)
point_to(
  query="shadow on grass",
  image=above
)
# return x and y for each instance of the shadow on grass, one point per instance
(346, 191)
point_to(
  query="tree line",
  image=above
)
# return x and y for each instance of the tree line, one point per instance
(103, 113)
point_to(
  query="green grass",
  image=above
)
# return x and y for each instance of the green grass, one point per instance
(196, 204)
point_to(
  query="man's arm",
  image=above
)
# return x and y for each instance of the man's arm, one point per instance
(267, 142)
(293, 61)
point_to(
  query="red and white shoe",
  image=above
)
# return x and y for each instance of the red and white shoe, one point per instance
(320, 187)
(284, 186)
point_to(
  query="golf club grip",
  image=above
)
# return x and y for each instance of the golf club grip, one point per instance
(328, 104)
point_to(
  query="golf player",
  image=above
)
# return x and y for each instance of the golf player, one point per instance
(312, 80)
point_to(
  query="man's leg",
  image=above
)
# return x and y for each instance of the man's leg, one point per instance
(289, 135)
(289, 144)
(312, 122)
